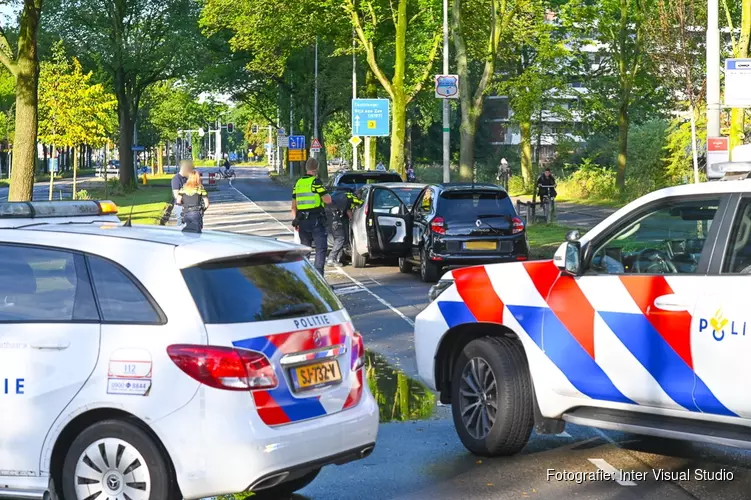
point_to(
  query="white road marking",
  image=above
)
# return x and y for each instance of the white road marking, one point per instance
(348, 290)
(353, 280)
(606, 467)
(564, 434)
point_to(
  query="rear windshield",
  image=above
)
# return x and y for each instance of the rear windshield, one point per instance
(246, 291)
(408, 196)
(356, 181)
(459, 205)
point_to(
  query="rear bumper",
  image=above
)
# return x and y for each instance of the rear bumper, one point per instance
(448, 260)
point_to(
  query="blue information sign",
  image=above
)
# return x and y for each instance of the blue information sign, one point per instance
(370, 117)
(297, 142)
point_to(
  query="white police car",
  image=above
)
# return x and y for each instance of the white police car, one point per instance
(144, 363)
(641, 325)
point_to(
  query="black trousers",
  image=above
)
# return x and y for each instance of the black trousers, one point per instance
(339, 233)
(193, 220)
(314, 229)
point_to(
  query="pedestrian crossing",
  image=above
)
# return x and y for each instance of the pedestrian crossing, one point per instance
(231, 211)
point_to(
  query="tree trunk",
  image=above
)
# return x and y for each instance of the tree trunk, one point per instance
(525, 150)
(125, 139)
(371, 91)
(398, 132)
(399, 98)
(27, 82)
(75, 170)
(160, 159)
(620, 177)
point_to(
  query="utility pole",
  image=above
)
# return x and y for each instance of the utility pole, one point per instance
(354, 90)
(291, 132)
(315, 101)
(446, 105)
(713, 69)
(218, 142)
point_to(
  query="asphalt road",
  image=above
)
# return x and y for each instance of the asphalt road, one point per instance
(424, 459)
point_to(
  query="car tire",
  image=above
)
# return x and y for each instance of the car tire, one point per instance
(505, 429)
(429, 270)
(285, 490)
(358, 261)
(130, 452)
(405, 266)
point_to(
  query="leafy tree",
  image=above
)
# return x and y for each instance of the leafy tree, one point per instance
(24, 66)
(416, 20)
(617, 30)
(72, 110)
(470, 19)
(135, 43)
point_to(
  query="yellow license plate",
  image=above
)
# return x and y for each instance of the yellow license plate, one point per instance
(310, 376)
(480, 245)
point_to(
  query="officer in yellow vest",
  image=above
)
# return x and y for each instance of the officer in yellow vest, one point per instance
(309, 198)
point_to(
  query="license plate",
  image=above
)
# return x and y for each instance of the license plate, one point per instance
(480, 245)
(317, 375)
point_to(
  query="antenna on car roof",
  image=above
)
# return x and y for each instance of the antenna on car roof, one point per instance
(130, 215)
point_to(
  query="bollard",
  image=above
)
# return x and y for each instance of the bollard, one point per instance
(145, 182)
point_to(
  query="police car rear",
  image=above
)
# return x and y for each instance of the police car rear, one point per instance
(147, 362)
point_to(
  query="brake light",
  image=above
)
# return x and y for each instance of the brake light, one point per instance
(517, 226)
(358, 352)
(438, 225)
(224, 367)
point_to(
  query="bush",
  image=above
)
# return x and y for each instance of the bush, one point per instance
(516, 186)
(590, 181)
(83, 195)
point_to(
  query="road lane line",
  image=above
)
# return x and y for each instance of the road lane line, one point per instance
(606, 467)
(353, 280)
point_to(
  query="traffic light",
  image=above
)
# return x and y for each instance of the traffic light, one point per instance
(230, 127)
(254, 129)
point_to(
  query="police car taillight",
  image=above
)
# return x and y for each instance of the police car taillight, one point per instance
(358, 352)
(224, 367)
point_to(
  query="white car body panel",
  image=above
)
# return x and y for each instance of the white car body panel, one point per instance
(216, 439)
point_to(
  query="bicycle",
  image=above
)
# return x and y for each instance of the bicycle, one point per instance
(548, 202)
(226, 173)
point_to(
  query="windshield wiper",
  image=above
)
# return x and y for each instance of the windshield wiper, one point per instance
(294, 310)
(492, 216)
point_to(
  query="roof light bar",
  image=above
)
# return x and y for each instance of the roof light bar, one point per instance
(50, 209)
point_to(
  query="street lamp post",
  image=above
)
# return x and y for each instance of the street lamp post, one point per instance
(446, 108)
(315, 101)
(713, 69)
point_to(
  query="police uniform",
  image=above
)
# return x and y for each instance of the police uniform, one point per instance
(342, 203)
(192, 202)
(311, 217)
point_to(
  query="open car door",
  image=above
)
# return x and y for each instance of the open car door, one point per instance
(389, 224)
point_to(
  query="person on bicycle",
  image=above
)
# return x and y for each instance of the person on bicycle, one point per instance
(411, 172)
(226, 164)
(546, 185)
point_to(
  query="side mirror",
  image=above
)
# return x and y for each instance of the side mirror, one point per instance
(573, 235)
(395, 210)
(568, 257)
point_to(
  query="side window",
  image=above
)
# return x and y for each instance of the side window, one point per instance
(423, 204)
(120, 299)
(37, 284)
(384, 201)
(667, 240)
(738, 254)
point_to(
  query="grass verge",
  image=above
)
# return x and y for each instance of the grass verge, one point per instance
(147, 204)
(544, 239)
(282, 180)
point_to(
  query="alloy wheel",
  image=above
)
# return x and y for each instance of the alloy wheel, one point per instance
(113, 469)
(478, 398)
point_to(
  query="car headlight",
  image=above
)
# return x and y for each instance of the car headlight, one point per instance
(439, 288)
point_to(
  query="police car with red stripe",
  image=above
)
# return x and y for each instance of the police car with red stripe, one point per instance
(640, 325)
(144, 363)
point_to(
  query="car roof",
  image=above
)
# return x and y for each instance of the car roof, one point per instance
(468, 185)
(190, 248)
(398, 185)
(367, 173)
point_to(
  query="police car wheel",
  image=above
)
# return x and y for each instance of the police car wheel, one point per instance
(492, 397)
(285, 490)
(116, 459)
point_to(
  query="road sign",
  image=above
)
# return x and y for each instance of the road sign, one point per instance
(254, 129)
(370, 117)
(737, 83)
(201, 132)
(298, 154)
(280, 132)
(297, 142)
(137, 148)
(283, 141)
(447, 86)
(355, 141)
(316, 144)
(718, 151)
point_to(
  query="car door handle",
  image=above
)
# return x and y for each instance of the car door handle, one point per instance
(398, 223)
(51, 345)
(671, 302)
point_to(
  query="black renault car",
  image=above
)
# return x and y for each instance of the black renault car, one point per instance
(453, 225)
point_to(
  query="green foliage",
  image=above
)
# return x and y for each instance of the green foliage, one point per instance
(72, 110)
(590, 181)
(679, 163)
(83, 195)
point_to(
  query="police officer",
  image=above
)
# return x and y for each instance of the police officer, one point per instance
(309, 198)
(341, 214)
